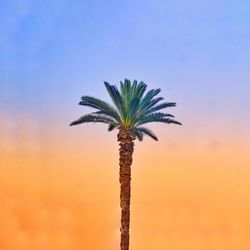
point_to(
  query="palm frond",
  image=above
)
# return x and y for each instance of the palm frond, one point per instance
(140, 90)
(151, 116)
(111, 127)
(153, 102)
(138, 134)
(134, 106)
(161, 106)
(125, 90)
(107, 113)
(93, 118)
(133, 89)
(116, 98)
(157, 117)
(101, 105)
(148, 132)
(148, 97)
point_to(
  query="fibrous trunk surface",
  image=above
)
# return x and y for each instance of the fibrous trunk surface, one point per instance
(125, 137)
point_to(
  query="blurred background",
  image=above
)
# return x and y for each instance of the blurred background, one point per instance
(59, 185)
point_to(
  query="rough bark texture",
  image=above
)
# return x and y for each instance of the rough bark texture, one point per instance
(125, 137)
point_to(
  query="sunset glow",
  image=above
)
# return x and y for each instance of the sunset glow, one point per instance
(59, 185)
(55, 196)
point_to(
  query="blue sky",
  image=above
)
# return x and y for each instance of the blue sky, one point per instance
(52, 52)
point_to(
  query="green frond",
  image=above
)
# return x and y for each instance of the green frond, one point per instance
(161, 106)
(140, 90)
(148, 132)
(148, 97)
(116, 98)
(153, 102)
(145, 116)
(169, 121)
(133, 89)
(138, 134)
(93, 118)
(107, 114)
(132, 107)
(112, 127)
(157, 117)
(125, 90)
(155, 114)
(101, 105)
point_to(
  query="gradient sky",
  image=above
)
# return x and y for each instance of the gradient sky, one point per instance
(53, 52)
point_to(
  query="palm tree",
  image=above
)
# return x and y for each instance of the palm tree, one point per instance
(132, 107)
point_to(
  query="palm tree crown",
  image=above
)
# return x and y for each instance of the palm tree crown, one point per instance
(132, 107)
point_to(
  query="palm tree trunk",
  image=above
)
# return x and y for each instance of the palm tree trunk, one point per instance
(125, 137)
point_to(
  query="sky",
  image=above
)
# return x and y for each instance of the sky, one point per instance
(53, 52)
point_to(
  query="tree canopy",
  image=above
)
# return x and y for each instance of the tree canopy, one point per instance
(132, 107)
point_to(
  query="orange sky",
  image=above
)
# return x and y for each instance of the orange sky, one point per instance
(59, 190)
